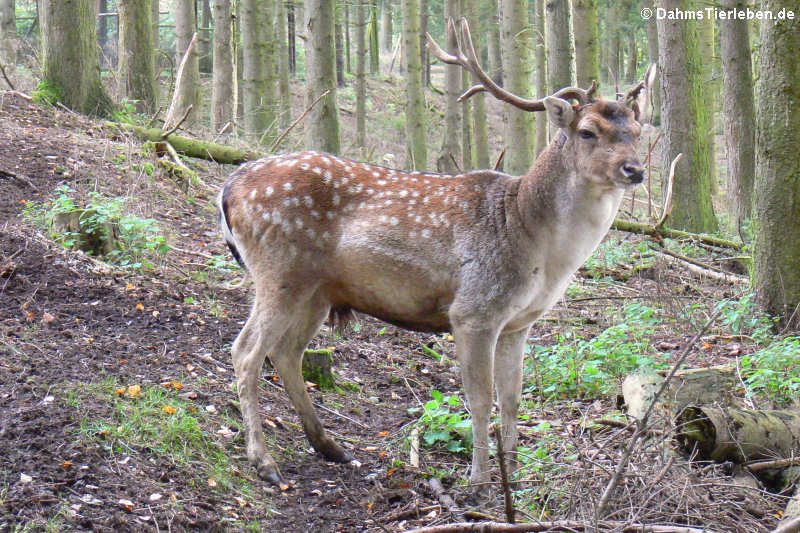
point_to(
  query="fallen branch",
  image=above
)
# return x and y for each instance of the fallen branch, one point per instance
(668, 195)
(171, 110)
(508, 499)
(703, 269)
(556, 525)
(174, 128)
(443, 497)
(5, 77)
(659, 233)
(758, 466)
(191, 147)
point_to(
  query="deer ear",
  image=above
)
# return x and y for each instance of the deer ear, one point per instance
(559, 111)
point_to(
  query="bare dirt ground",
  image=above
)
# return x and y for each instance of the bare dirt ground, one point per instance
(73, 331)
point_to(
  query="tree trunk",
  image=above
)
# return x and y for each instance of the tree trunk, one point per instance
(515, 40)
(466, 106)
(386, 28)
(222, 83)
(479, 124)
(348, 64)
(415, 108)
(541, 77)
(584, 22)
(451, 150)
(8, 34)
(259, 75)
(205, 58)
(156, 31)
(69, 55)
(738, 114)
(655, 91)
(339, 44)
(493, 42)
(189, 91)
(559, 48)
(374, 52)
(361, 81)
(710, 88)
(686, 122)
(615, 14)
(776, 215)
(136, 70)
(284, 73)
(633, 59)
(292, 29)
(102, 31)
(424, 54)
(322, 123)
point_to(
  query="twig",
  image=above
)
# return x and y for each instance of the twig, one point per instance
(293, 124)
(65, 108)
(508, 498)
(155, 116)
(5, 77)
(703, 269)
(641, 424)
(758, 466)
(413, 449)
(192, 252)
(21, 95)
(668, 194)
(453, 159)
(178, 80)
(22, 179)
(500, 159)
(559, 525)
(649, 182)
(178, 125)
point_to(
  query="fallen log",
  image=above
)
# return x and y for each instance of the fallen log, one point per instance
(739, 435)
(659, 233)
(557, 525)
(191, 147)
(691, 386)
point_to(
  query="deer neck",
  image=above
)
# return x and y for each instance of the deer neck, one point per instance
(562, 210)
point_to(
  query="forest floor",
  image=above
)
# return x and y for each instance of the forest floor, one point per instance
(117, 406)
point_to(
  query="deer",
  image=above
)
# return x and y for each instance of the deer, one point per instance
(481, 254)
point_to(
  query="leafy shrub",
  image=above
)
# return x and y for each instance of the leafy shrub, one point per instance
(47, 93)
(774, 371)
(444, 422)
(592, 367)
(101, 227)
(743, 318)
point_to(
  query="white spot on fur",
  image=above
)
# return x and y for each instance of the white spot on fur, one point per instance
(412, 234)
(394, 221)
(269, 190)
(314, 213)
(276, 216)
(295, 201)
(287, 186)
(335, 199)
(370, 191)
(304, 166)
(330, 215)
(311, 233)
(387, 202)
(326, 160)
(382, 218)
(426, 233)
(316, 170)
(287, 202)
(326, 235)
(308, 200)
(403, 193)
(298, 222)
(381, 182)
(253, 194)
(265, 216)
(376, 174)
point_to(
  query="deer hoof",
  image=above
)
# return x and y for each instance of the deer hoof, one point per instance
(333, 452)
(270, 474)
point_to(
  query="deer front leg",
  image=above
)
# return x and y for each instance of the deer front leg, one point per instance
(509, 355)
(248, 352)
(475, 350)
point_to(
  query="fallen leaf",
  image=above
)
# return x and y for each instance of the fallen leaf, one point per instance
(156, 496)
(129, 286)
(168, 409)
(140, 306)
(66, 464)
(383, 433)
(177, 385)
(30, 315)
(212, 482)
(25, 478)
(382, 454)
(47, 318)
(242, 502)
(126, 504)
(121, 391)
(211, 408)
(134, 390)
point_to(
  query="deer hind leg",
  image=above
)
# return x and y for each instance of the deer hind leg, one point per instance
(288, 360)
(509, 355)
(261, 334)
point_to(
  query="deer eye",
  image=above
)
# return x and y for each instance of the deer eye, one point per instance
(587, 134)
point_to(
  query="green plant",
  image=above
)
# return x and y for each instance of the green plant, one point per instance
(774, 371)
(444, 422)
(101, 227)
(126, 113)
(743, 318)
(592, 367)
(610, 253)
(47, 93)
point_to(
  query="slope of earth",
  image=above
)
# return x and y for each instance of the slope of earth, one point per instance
(117, 405)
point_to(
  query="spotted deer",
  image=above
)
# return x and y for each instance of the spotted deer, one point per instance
(480, 254)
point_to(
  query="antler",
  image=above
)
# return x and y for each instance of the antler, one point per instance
(468, 59)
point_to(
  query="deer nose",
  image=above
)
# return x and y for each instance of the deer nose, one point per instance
(633, 171)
